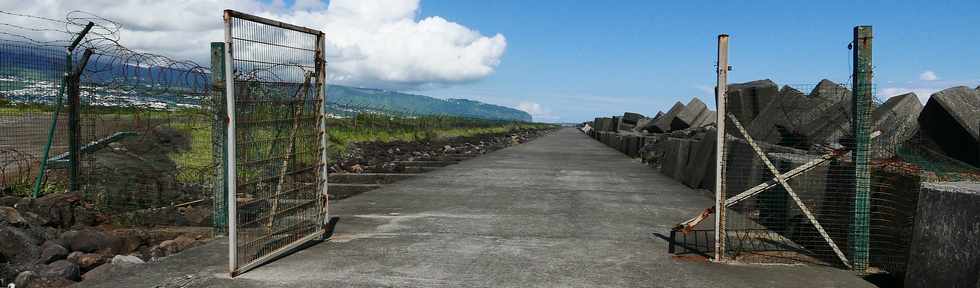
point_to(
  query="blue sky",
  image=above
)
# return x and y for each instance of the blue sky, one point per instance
(582, 59)
(570, 61)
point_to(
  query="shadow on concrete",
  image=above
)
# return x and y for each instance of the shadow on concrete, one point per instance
(672, 245)
(328, 232)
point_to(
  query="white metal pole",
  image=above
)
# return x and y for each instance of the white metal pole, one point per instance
(323, 127)
(720, 196)
(230, 141)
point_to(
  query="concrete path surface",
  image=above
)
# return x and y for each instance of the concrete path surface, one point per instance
(560, 211)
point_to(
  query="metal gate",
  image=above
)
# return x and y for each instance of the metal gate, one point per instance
(276, 146)
(795, 173)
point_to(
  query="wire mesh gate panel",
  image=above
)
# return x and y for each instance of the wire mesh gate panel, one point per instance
(789, 177)
(277, 145)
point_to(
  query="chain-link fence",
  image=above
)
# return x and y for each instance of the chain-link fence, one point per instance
(806, 212)
(30, 76)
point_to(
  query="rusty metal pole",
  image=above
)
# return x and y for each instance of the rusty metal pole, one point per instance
(722, 88)
(74, 121)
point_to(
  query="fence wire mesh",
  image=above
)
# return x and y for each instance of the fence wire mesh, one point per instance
(798, 129)
(808, 138)
(30, 75)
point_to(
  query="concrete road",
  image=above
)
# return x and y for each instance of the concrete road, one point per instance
(560, 211)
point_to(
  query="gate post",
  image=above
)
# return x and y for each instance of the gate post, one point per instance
(861, 127)
(720, 196)
(231, 176)
(220, 213)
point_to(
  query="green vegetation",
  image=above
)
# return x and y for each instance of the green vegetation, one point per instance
(344, 131)
(195, 164)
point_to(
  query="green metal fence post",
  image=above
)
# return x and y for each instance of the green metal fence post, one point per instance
(39, 181)
(861, 126)
(219, 147)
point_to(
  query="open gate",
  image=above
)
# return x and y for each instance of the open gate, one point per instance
(276, 146)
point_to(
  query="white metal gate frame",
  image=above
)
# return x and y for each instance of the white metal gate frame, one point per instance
(234, 267)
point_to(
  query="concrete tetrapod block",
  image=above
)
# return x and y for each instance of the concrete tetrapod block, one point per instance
(743, 168)
(702, 158)
(894, 196)
(951, 119)
(775, 118)
(626, 127)
(896, 119)
(640, 124)
(607, 124)
(632, 118)
(688, 116)
(945, 247)
(830, 118)
(632, 145)
(675, 158)
(668, 149)
(662, 124)
(654, 147)
(615, 123)
(705, 119)
(659, 114)
(746, 100)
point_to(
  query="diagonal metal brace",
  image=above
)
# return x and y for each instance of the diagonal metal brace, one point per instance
(688, 225)
(789, 190)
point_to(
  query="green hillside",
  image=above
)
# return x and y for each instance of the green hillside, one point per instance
(343, 97)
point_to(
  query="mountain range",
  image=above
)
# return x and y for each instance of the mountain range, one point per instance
(26, 66)
(384, 100)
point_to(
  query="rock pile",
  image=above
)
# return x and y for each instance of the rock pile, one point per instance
(382, 157)
(58, 239)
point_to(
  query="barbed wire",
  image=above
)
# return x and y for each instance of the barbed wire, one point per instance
(113, 67)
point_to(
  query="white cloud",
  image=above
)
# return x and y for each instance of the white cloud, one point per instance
(376, 43)
(537, 112)
(928, 75)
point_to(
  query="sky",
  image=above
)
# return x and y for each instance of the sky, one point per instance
(571, 61)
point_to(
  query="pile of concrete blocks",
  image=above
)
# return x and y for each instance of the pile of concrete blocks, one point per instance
(693, 115)
(798, 120)
(945, 246)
